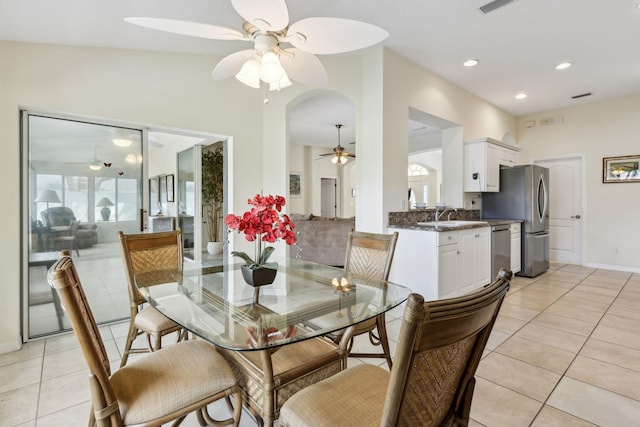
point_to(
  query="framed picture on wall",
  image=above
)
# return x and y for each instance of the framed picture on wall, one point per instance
(170, 188)
(295, 184)
(621, 169)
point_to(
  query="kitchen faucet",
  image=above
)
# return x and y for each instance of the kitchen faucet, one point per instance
(445, 209)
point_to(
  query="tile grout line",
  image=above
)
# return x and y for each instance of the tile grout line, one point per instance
(564, 374)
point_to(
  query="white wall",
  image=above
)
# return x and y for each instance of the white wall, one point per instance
(597, 130)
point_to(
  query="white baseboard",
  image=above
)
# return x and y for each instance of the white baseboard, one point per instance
(612, 267)
(9, 346)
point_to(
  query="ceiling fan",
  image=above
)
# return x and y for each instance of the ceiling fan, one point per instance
(340, 157)
(281, 52)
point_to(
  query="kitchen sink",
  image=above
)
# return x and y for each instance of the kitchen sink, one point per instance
(453, 223)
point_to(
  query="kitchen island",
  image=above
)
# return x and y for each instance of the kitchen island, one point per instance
(442, 259)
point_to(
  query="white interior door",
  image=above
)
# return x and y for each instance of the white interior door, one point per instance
(566, 203)
(328, 202)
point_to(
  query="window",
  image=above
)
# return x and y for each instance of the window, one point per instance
(416, 170)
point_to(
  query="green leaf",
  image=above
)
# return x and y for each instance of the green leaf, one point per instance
(266, 253)
(250, 262)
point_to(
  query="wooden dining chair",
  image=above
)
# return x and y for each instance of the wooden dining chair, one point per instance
(142, 253)
(433, 377)
(161, 387)
(370, 255)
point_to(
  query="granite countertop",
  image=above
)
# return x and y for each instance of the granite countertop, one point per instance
(468, 225)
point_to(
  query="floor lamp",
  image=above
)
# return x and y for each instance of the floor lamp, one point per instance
(48, 196)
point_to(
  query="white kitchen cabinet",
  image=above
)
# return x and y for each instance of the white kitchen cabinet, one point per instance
(482, 160)
(475, 259)
(448, 263)
(516, 248)
(508, 157)
(442, 264)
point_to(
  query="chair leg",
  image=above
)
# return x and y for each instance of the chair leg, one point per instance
(131, 336)
(157, 342)
(382, 332)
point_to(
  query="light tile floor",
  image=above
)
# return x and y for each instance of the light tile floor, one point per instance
(565, 351)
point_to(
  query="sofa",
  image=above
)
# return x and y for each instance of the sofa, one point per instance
(59, 218)
(321, 239)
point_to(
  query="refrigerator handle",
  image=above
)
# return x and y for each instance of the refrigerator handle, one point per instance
(541, 236)
(542, 188)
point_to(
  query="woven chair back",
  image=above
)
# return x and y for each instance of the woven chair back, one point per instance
(146, 252)
(439, 349)
(370, 254)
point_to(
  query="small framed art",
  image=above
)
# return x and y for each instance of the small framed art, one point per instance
(621, 169)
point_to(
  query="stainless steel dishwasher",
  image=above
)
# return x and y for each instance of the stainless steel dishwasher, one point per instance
(500, 249)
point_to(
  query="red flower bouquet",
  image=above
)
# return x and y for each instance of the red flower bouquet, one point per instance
(263, 223)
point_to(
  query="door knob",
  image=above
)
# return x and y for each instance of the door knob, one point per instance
(576, 216)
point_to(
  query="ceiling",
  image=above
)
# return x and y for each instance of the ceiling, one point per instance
(518, 45)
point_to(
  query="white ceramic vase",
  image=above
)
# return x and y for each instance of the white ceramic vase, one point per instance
(214, 248)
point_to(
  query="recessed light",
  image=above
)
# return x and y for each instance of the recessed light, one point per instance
(521, 95)
(120, 142)
(563, 65)
(471, 62)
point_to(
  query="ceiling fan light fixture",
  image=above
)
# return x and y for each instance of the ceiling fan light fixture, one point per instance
(95, 166)
(280, 84)
(271, 70)
(121, 142)
(339, 160)
(249, 74)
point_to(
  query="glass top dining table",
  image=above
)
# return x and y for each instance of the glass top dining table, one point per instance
(306, 300)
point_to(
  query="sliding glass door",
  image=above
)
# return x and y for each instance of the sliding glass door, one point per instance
(82, 182)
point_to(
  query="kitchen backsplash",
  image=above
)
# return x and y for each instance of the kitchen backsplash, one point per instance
(429, 214)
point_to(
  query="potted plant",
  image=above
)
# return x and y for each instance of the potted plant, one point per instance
(213, 194)
(263, 223)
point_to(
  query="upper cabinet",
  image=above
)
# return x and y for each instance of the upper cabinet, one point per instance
(482, 160)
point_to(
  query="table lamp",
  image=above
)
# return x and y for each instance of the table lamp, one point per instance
(104, 203)
(48, 196)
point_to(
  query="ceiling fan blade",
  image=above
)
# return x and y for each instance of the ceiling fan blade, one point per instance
(188, 28)
(324, 36)
(268, 15)
(303, 67)
(231, 64)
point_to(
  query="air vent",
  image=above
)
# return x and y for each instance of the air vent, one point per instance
(496, 4)
(582, 95)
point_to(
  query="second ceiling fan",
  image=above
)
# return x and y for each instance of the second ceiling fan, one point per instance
(340, 157)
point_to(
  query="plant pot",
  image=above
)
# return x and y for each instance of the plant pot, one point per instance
(260, 276)
(214, 248)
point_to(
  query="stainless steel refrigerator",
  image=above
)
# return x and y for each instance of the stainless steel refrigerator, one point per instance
(524, 195)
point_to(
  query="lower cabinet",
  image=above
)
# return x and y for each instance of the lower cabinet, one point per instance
(475, 259)
(442, 264)
(449, 266)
